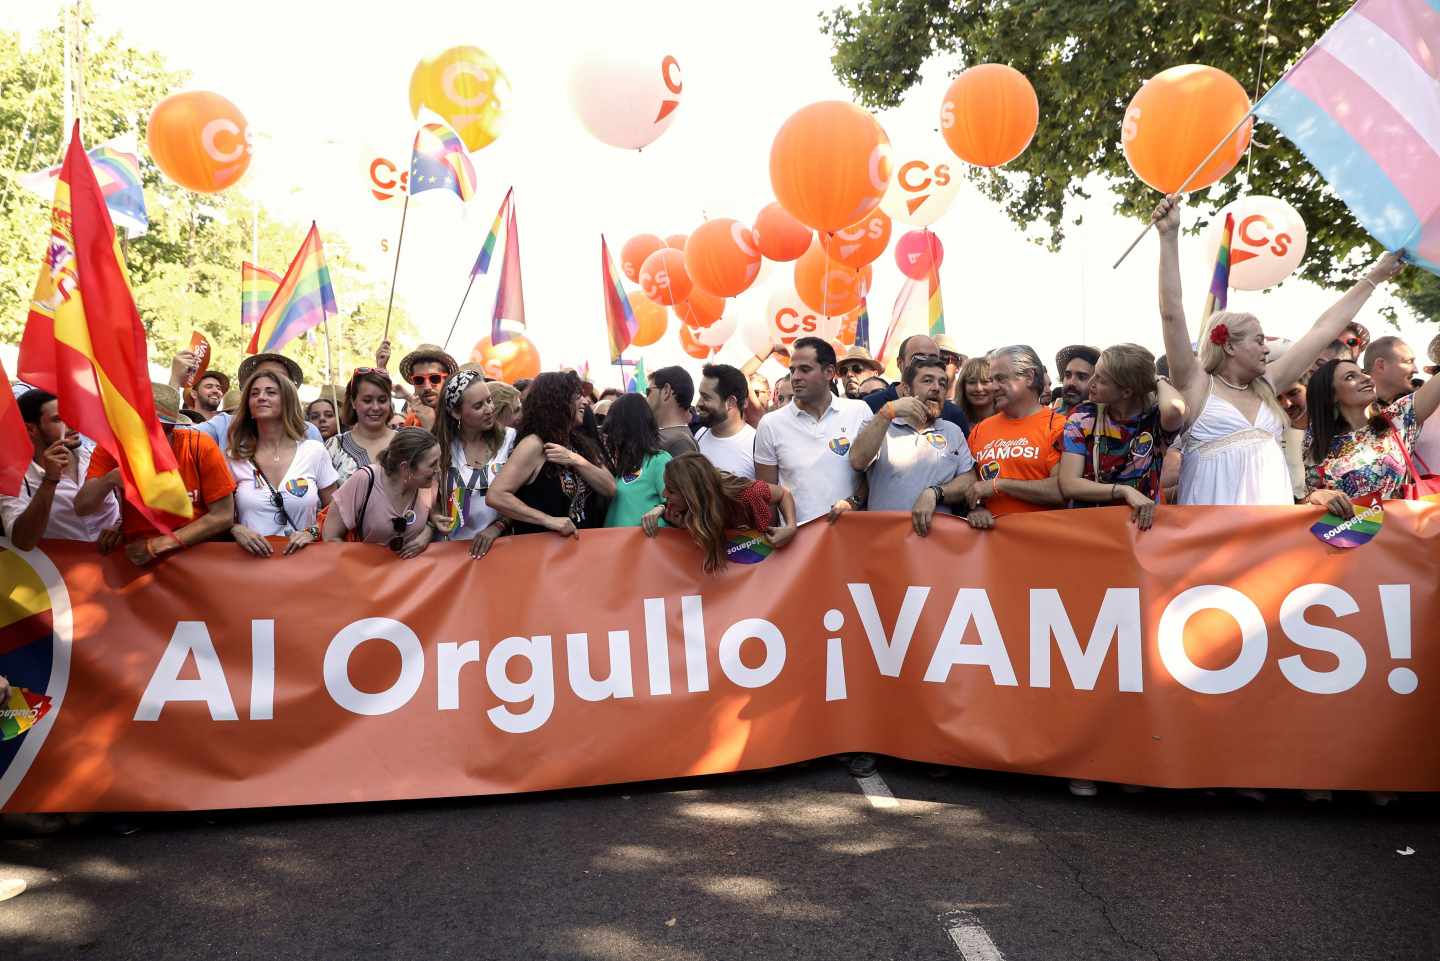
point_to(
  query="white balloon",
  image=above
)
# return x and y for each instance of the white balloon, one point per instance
(717, 333)
(1268, 242)
(923, 187)
(788, 318)
(755, 333)
(626, 103)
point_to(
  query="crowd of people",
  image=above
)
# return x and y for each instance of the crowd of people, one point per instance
(1237, 418)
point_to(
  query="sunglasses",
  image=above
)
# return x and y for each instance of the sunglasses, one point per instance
(427, 380)
(396, 542)
(362, 371)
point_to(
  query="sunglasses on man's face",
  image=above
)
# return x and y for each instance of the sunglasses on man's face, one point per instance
(427, 380)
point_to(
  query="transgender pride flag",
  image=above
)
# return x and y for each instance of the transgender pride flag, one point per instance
(1363, 105)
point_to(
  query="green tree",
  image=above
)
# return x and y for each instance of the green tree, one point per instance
(185, 271)
(1086, 58)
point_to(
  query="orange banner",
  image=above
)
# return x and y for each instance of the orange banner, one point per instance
(1226, 647)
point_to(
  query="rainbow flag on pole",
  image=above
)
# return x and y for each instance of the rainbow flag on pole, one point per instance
(84, 343)
(482, 263)
(1220, 280)
(1363, 105)
(862, 326)
(302, 301)
(937, 306)
(619, 315)
(510, 294)
(439, 161)
(117, 170)
(257, 289)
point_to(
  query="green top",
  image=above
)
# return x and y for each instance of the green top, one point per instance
(638, 494)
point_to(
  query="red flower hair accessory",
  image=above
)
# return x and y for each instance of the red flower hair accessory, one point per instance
(1220, 335)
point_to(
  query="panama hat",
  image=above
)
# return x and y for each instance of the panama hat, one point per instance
(292, 369)
(427, 353)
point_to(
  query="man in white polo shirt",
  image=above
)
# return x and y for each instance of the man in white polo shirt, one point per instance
(725, 439)
(45, 505)
(805, 445)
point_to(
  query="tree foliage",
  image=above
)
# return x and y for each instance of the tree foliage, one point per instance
(1086, 59)
(185, 271)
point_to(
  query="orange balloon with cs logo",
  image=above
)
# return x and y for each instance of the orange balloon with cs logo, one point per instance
(514, 358)
(200, 140)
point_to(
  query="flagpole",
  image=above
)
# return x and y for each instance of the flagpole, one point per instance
(446, 345)
(329, 363)
(399, 242)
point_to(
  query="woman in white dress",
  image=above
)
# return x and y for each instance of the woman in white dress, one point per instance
(473, 448)
(1234, 424)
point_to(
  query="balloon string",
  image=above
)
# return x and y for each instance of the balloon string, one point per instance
(1259, 76)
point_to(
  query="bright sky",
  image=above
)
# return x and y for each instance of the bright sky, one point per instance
(324, 85)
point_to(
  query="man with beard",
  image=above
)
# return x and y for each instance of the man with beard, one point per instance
(910, 455)
(912, 349)
(424, 369)
(725, 439)
(209, 391)
(1076, 365)
(854, 367)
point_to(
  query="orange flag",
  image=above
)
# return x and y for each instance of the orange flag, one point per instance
(84, 343)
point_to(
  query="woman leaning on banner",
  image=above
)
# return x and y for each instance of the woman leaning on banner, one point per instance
(1356, 447)
(632, 439)
(473, 448)
(1115, 443)
(389, 502)
(709, 504)
(365, 414)
(282, 479)
(553, 480)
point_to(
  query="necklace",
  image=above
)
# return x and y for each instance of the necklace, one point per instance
(1233, 386)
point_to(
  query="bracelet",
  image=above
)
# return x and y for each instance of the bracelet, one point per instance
(1112, 491)
(47, 479)
(313, 531)
(888, 411)
(1373, 285)
(939, 494)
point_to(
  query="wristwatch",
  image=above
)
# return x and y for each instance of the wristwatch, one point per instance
(939, 494)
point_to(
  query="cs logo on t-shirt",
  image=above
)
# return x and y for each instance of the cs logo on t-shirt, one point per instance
(1144, 444)
(936, 439)
(990, 470)
(840, 445)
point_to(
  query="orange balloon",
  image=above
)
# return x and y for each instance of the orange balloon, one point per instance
(199, 140)
(633, 254)
(700, 309)
(510, 360)
(989, 114)
(650, 317)
(830, 164)
(690, 345)
(663, 277)
(861, 242)
(829, 287)
(1176, 119)
(721, 257)
(780, 236)
(676, 240)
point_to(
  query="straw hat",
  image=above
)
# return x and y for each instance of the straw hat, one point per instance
(167, 404)
(231, 403)
(859, 355)
(292, 369)
(427, 354)
(218, 375)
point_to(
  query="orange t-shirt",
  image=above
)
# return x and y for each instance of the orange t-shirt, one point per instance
(1017, 448)
(202, 467)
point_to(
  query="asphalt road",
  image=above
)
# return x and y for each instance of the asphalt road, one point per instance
(796, 863)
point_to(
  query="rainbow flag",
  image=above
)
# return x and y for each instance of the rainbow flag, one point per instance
(84, 343)
(862, 326)
(21, 712)
(619, 315)
(257, 288)
(117, 170)
(639, 383)
(937, 306)
(510, 294)
(1361, 105)
(438, 161)
(1220, 280)
(302, 301)
(482, 263)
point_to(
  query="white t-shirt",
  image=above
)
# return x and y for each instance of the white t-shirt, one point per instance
(1427, 445)
(63, 524)
(735, 454)
(813, 455)
(467, 489)
(309, 472)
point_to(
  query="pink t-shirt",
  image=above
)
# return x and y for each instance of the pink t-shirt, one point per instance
(380, 513)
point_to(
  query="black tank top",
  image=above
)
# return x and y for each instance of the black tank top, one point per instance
(559, 492)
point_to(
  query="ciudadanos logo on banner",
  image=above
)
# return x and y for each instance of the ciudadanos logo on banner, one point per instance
(748, 547)
(35, 631)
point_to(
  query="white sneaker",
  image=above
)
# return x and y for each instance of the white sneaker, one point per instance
(1081, 788)
(10, 887)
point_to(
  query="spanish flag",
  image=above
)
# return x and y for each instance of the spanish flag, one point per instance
(84, 342)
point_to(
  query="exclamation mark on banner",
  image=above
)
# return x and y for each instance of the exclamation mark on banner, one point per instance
(834, 658)
(1395, 608)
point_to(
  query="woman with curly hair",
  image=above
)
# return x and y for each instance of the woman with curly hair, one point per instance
(709, 502)
(553, 480)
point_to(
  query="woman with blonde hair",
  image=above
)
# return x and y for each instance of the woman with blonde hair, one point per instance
(282, 478)
(1115, 443)
(974, 391)
(1234, 424)
(507, 404)
(708, 503)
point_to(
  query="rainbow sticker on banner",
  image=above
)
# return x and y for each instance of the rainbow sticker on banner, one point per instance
(1356, 531)
(748, 546)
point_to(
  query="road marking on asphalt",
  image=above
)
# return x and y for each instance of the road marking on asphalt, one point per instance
(877, 792)
(971, 937)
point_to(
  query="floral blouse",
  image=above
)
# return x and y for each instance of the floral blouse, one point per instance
(1368, 461)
